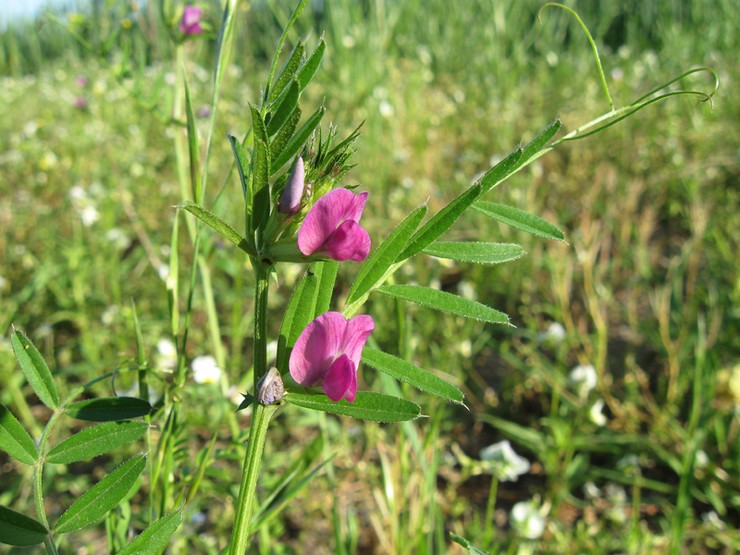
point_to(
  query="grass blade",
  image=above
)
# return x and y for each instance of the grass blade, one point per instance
(155, 538)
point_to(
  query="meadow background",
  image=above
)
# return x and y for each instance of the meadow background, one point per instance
(645, 290)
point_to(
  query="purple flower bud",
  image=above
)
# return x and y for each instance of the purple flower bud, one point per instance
(190, 22)
(290, 200)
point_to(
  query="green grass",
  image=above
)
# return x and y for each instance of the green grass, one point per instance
(646, 287)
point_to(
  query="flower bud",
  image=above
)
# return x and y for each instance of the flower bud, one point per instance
(270, 389)
(290, 200)
(190, 21)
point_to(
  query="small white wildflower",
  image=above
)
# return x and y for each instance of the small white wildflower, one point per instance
(89, 215)
(465, 348)
(527, 520)
(555, 333)
(467, 290)
(504, 462)
(712, 519)
(118, 238)
(385, 108)
(166, 354)
(109, 315)
(163, 270)
(77, 194)
(595, 414)
(205, 369)
(591, 490)
(701, 459)
(584, 378)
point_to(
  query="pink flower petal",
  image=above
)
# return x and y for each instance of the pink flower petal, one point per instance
(341, 380)
(348, 242)
(316, 348)
(326, 215)
(356, 333)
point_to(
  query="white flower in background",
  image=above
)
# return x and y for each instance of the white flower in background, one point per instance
(505, 464)
(584, 378)
(205, 369)
(166, 358)
(163, 271)
(616, 498)
(555, 333)
(701, 459)
(89, 215)
(712, 519)
(118, 238)
(77, 194)
(595, 414)
(527, 520)
(385, 108)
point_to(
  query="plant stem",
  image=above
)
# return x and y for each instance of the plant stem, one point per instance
(260, 418)
(240, 535)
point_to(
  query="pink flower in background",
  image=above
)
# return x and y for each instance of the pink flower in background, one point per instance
(331, 227)
(190, 22)
(328, 353)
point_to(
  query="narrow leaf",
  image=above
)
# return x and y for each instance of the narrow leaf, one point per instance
(539, 142)
(260, 173)
(217, 224)
(242, 167)
(18, 529)
(109, 409)
(102, 497)
(14, 438)
(519, 219)
(34, 368)
(280, 140)
(192, 146)
(308, 70)
(411, 374)
(446, 302)
(501, 171)
(155, 538)
(440, 222)
(297, 141)
(286, 106)
(327, 278)
(94, 441)
(478, 253)
(472, 550)
(385, 255)
(288, 72)
(368, 405)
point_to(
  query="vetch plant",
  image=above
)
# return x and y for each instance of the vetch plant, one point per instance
(293, 209)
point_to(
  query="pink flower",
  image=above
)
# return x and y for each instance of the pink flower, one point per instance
(331, 227)
(328, 353)
(190, 22)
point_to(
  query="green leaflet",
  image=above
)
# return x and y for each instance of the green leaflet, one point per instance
(96, 440)
(411, 374)
(109, 409)
(102, 497)
(217, 224)
(385, 255)
(446, 302)
(155, 538)
(368, 405)
(34, 368)
(476, 252)
(14, 438)
(18, 529)
(519, 219)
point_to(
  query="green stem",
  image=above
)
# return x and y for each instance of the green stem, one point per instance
(260, 418)
(491, 505)
(240, 535)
